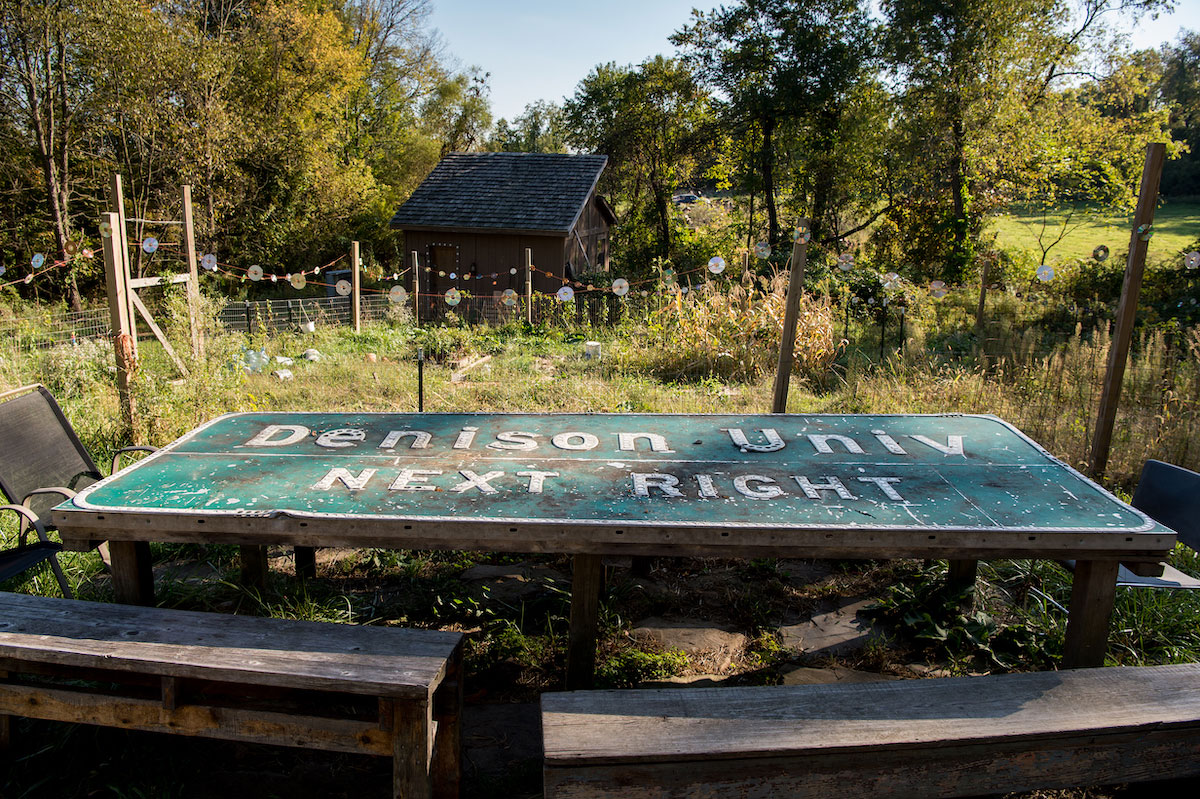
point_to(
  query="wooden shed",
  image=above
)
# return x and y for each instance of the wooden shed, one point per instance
(476, 213)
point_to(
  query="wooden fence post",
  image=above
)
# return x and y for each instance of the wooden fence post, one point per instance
(416, 270)
(787, 344)
(528, 286)
(119, 321)
(116, 199)
(355, 288)
(1118, 354)
(193, 286)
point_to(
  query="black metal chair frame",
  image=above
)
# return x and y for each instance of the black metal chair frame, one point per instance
(26, 555)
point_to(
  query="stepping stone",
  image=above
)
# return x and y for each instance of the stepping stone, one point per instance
(835, 632)
(837, 674)
(511, 582)
(700, 640)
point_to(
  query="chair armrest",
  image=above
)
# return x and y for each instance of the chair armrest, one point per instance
(136, 448)
(28, 517)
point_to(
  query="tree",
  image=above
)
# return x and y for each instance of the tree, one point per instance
(651, 121)
(1180, 88)
(776, 62)
(540, 128)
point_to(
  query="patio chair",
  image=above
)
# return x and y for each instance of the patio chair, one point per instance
(1171, 496)
(42, 462)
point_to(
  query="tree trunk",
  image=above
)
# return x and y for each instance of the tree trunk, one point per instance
(768, 173)
(960, 255)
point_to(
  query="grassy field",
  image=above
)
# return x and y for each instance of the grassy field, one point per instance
(1176, 226)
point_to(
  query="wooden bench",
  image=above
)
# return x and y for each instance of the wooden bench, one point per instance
(914, 738)
(370, 690)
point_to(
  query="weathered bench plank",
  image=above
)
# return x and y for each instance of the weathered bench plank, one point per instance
(921, 738)
(368, 690)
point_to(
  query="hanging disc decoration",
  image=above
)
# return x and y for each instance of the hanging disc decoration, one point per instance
(1145, 232)
(716, 264)
(509, 298)
(209, 262)
(3, 269)
(512, 271)
(845, 261)
(1101, 253)
(620, 287)
(937, 289)
(343, 288)
(255, 272)
(149, 245)
(762, 249)
(891, 281)
(397, 294)
(38, 260)
(1191, 260)
(87, 253)
(441, 273)
(106, 230)
(566, 294)
(802, 234)
(72, 248)
(298, 281)
(1045, 273)
(453, 276)
(453, 297)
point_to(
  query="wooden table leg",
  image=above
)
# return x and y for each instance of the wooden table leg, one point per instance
(5, 724)
(306, 562)
(446, 767)
(411, 750)
(254, 566)
(961, 575)
(132, 576)
(1092, 593)
(586, 583)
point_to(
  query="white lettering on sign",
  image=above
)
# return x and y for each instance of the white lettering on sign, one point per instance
(420, 438)
(575, 441)
(888, 442)
(885, 485)
(346, 477)
(407, 477)
(465, 438)
(536, 480)
(774, 440)
(813, 490)
(954, 444)
(511, 439)
(769, 489)
(266, 436)
(342, 437)
(657, 442)
(476, 481)
(643, 482)
(707, 489)
(821, 443)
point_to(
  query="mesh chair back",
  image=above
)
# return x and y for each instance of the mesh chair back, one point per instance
(38, 448)
(1171, 495)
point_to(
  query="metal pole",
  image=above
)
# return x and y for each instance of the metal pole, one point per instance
(529, 286)
(1118, 354)
(787, 344)
(420, 379)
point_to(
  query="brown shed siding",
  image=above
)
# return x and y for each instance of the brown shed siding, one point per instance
(592, 229)
(486, 253)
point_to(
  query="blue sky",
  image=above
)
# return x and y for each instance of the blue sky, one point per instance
(541, 49)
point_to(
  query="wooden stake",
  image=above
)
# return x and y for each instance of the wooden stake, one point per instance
(787, 344)
(586, 585)
(193, 286)
(118, 310)
(416, 270)
(116, 199)
(1143, 219)
(528, 286)
(355, 288)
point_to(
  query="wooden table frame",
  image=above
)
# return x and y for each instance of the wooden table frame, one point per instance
(1097, 552)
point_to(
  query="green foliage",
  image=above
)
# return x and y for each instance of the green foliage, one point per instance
(628, 667)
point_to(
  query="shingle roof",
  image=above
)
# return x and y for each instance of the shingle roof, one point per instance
(542, 192)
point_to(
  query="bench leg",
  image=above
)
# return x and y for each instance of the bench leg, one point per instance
(1093, 589)
(132, 576)
(254, 566)
(306, 562)
(5, 723)
(446, 768)
(411, 750)
(586, 583)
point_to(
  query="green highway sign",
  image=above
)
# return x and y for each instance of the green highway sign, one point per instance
(771, 471)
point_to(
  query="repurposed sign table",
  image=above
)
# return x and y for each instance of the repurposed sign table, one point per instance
(941, 486)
